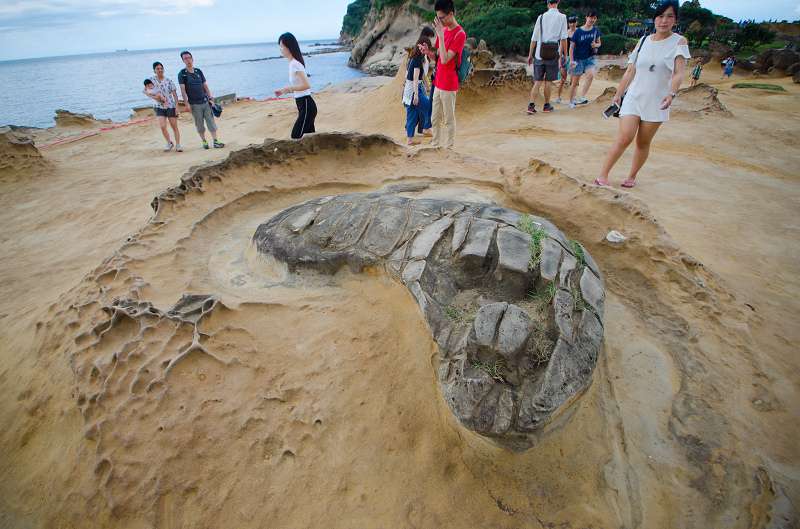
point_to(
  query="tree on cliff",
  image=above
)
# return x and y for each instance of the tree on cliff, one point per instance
(506, 25)
(354, 18)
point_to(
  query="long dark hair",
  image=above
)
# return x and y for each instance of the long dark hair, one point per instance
(290, 42)
(415, 52)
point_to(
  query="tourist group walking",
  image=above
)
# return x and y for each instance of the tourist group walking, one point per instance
(560, 50)
(650, 83)
(200, 103)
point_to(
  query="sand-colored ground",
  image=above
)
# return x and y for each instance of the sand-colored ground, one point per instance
(317, 405)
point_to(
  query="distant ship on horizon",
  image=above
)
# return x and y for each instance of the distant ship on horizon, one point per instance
(123, 50)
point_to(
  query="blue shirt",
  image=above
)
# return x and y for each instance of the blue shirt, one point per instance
(583, 43)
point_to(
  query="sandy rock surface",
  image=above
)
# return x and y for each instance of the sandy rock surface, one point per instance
(125, 403)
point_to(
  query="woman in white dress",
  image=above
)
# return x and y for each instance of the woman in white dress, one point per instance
(655, 74)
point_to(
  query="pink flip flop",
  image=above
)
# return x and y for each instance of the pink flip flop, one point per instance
(602, 183)
(628, 183)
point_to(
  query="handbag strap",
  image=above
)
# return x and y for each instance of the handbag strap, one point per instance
(633, 65)
(541, 35)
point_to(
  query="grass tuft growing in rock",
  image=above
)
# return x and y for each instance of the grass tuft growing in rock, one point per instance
(461, 316)
(577, 251)
(527, 225)
(577, 296)
(540, 346)
(493, 368)
(544, 297)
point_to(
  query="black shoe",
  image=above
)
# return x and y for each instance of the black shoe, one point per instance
(531, 109)
(547, 108)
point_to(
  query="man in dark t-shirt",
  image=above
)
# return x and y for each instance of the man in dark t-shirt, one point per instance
(197, 99)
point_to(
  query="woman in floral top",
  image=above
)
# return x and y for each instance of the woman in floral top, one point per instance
(166, 106)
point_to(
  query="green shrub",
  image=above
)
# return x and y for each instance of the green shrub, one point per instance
(505, 29)
(752, 36)
(696, 37)
(690, 13)
(426, 15)
(613, 44)
(380, 4)
(355, 17)
(748, 38)
(604, 30)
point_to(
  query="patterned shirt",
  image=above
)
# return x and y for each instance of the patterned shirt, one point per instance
(165, 88)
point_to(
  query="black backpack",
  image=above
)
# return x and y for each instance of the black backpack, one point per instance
(183, 75)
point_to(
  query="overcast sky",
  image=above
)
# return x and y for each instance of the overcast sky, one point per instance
(42, 28)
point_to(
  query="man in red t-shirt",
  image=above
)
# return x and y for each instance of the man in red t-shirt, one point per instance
(450, 40)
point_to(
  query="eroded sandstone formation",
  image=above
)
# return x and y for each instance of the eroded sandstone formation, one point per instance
(509, 365)
(18, 154)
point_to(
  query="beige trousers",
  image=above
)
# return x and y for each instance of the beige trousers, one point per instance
(444, 113)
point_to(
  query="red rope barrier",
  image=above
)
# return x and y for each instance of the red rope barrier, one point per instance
(73, 138)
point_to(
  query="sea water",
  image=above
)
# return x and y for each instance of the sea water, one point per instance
(109, 85)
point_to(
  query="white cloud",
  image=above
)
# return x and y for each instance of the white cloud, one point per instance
(797, 10)
(31, 13)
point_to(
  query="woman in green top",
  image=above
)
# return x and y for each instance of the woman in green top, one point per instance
(698, 71)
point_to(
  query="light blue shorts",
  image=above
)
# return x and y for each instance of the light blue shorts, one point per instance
(582, 66)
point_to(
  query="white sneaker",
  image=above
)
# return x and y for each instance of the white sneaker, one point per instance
(558, 100)
(169, 146)
(582, 101)
(571, 105)
(178, 148)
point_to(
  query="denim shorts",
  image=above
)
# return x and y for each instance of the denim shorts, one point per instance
(582, 66)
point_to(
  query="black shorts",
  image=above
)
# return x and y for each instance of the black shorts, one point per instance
(167, 112)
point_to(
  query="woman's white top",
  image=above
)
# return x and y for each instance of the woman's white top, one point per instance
(294, 67)
(648, 89)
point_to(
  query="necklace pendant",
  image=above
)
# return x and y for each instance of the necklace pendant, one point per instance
(652, 67)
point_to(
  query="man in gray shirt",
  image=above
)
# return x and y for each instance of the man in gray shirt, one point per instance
(549, 40)
(197, 99)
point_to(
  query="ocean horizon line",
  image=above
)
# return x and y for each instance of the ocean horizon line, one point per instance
(38, 87)
(322, 41)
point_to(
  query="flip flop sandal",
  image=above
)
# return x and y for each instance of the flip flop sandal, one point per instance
(602, 183)
(628, 183)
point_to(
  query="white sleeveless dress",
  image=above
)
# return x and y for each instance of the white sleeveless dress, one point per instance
(648, 88)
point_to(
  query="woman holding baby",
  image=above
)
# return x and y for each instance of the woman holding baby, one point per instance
(163, 91)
